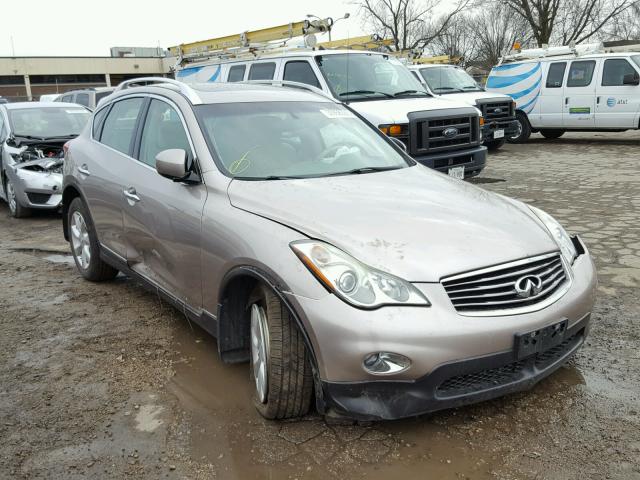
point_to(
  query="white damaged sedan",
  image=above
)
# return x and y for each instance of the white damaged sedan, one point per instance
(32, 137)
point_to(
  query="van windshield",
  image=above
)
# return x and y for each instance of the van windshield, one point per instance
(280, 140)
(449, 80)
(363, 76)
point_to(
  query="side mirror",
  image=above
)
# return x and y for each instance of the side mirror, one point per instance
(399, 143)
(172, 163)
(631, 79)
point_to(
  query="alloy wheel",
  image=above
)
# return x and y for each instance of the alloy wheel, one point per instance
(259, 351)
(80, 240)
(11, 197)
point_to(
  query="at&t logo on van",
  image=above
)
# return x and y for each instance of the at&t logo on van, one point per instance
(611, 102)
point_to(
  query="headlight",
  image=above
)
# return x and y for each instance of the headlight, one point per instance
(353, 281)
(559, 234)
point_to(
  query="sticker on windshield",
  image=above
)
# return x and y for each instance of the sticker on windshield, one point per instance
(338, 113)
(77, 110)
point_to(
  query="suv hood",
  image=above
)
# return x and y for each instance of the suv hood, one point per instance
(395, 110)
(414, 223)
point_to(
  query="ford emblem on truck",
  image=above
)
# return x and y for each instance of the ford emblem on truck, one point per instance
(450, 132)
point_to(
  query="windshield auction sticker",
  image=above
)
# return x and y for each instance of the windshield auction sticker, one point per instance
(337, 113)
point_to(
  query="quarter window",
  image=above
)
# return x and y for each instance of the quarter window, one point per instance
(614, 71)
(301, 72)
(120, 124)
(556, 74)
(236, 73)
(262, 71)
(83, 99)
(98, 119)
(581, 73)
(162, 130)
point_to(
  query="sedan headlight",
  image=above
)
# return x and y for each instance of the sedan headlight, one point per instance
(558, 233)
(353, 281)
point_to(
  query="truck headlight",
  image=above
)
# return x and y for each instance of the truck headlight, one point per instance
(558, 233)
(353, 281)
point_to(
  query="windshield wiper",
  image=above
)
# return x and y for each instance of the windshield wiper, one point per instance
(475, 87)
(360, 170)
(271, 177)
(410, 92)
(365, 92)
(449, 88)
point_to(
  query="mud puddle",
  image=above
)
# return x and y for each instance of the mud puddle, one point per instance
(228, 434)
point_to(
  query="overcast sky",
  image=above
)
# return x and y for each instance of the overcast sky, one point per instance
(90, 27)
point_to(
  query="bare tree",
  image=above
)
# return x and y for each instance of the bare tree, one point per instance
(411, 24)
(575, 20)
(625, 26)
(458, 40)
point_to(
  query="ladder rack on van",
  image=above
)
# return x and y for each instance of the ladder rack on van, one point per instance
(367, 42)
(251, 42)
(571, 50)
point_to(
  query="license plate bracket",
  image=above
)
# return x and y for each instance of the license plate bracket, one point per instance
(540, 340)
(498, 134)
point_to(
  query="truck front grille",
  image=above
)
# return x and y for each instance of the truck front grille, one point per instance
(496, 111)
(444, 134)
(524, 285)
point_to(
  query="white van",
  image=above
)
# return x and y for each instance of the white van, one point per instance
(452, 82)
(439, 133)
(570, 89)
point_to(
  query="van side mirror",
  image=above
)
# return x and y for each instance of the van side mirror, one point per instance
(172, 163)
(631, 79)
(398, 143)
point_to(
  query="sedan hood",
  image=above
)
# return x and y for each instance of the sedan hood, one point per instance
(396, 110)
(414, 223)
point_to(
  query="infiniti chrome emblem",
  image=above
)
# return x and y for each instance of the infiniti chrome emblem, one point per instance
(450, 132)
(528, 286)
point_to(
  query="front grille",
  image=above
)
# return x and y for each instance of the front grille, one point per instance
(494, 288)
(38, 198)
(483, 380)
(430, 134)
(496, 111)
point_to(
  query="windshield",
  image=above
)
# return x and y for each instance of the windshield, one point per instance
(365, 76)
(448, 80)
(47, 122)
(271, 140)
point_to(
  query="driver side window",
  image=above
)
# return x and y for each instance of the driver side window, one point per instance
(163, 130)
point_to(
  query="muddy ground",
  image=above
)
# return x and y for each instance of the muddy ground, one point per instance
(106, 381)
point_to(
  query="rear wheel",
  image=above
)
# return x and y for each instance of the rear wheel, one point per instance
(16, 210)
(551, 133)
(524, 129)
(494, 145)
(280, 367)
(84, 244)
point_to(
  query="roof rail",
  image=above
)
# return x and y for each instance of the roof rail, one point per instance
(288, 83)
(176, 85)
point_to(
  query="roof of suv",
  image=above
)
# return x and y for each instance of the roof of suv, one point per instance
(23, 105)
(233, 93)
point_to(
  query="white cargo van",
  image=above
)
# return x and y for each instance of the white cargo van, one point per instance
(437, 132)
(564, 89)
(452, 82)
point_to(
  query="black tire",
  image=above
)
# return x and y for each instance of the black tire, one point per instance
(290, 379)
(551, 133)
(494, 145)
(524, 129)
(95, 270)
(16, 210)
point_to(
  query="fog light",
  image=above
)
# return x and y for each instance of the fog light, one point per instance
(385, 363)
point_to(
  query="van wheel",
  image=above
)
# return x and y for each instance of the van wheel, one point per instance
(280, 366)
(84, 244)
(15, 209)
(494, 145)
(551, 133)
(524, 129)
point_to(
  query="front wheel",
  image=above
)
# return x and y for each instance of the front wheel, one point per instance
(15, 209)
(523, 129)
(280, 366)
(551, 133)
(84, 244)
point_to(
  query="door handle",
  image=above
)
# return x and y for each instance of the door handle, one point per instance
(566, 101)
(598, 100)
(130, 193)
(83, 169)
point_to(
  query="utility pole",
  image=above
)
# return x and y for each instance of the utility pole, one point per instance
(13, 48)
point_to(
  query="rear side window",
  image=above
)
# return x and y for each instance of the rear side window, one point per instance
(98, 120)
(301, 72)
(67, 98)
(262, 71)
(614, 71)
(120, 124)
(236, 73)
(556, 74)
(83, 99)
(162, 130)
(581, 73)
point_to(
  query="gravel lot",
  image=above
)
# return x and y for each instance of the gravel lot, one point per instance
(106, 381)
